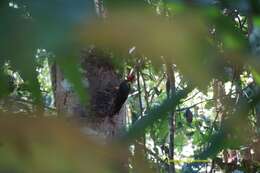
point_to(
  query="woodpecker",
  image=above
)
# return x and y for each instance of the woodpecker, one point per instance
(189, 116)
(122, 94)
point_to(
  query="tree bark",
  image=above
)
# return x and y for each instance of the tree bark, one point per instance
(102, 82)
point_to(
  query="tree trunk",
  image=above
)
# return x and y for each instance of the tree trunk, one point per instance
(171, 91)
(102, 81)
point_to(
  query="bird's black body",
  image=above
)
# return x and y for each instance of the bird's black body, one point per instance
(121, 96)
(189, 116)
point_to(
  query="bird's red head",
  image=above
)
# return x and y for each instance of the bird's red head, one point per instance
(130, 78)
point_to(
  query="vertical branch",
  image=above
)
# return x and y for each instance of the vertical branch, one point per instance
(218, 94)
(146, 94)
(140, 97)
(140, 147)
(249, 24)
(139, 92)
(171, 91)
(257, 107)
(100, 8)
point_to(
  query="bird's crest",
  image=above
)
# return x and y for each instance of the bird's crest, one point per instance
(131, 76)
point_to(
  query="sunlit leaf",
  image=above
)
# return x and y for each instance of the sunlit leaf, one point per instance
(256, 76)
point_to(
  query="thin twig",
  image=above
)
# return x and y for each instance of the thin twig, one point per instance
(146, 94)
(32, 103)
(207, 100)
(191, 97)
(154, 154)
(158, 84)
(194, 105)
(139, 91)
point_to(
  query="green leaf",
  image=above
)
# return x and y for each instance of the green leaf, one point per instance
(155, 113)
(4, 87)
(22, 35)
(155, 38)
(256, 21)
(256, 75)
(119, 4)
(176, 7)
